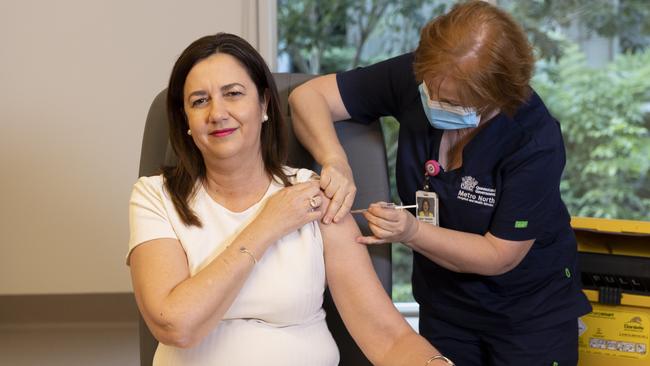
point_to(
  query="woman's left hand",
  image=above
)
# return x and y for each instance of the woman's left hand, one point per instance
(388, 225)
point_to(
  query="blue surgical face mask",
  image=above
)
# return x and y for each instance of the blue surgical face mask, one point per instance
(445, 116)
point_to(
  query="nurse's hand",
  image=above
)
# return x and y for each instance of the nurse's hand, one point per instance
(337, 183)
(389, 225)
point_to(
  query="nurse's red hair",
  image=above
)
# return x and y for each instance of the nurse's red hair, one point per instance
(483, 50)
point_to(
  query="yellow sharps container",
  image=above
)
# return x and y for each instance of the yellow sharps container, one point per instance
(615, 269)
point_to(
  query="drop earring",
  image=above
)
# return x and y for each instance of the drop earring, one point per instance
(189, 132)
(265, 117)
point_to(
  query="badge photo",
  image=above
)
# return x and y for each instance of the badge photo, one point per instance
(427, 207)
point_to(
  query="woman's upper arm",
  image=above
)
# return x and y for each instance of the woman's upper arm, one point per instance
(157, 267)
(157, 259)
(357, 291)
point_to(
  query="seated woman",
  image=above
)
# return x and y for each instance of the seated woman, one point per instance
(228, 260)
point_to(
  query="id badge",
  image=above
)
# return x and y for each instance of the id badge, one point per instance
(427, 207)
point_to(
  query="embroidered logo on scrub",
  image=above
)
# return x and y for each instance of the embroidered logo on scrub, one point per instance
(468, 183)
(471, 191)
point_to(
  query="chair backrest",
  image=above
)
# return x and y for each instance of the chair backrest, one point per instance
(364, 146)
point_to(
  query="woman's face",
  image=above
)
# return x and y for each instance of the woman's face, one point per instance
(223, 109)
(425, 205)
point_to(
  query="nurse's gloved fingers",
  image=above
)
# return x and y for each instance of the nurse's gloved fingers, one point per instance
(381, 232)
(380, 235)
(380, 210)
(345, 207)
(369, 240)
(379, 222)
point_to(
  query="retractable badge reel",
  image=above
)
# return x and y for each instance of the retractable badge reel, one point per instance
(427, 201)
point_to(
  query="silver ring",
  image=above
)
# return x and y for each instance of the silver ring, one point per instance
(315, 202)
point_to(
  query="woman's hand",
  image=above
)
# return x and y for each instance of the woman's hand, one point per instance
(338, 185)
(389, 225)
(291, 208)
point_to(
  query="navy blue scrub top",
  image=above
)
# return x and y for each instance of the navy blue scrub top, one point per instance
(508, 185)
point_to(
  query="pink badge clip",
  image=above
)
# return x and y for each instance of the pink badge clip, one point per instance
(431, 168)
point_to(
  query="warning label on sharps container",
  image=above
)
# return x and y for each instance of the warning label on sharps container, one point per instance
(613, 332)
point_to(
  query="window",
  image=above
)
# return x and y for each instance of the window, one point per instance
(593, 72)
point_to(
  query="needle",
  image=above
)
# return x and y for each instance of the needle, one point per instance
(389, 205)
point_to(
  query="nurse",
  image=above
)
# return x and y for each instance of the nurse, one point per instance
(496, 279)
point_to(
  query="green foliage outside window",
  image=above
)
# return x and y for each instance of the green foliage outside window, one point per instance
(323, 36)
(604, 117)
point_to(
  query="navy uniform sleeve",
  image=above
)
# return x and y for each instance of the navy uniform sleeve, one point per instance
(530, 194)
(376, 90)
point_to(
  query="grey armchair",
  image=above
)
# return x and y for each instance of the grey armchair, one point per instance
(365, 149)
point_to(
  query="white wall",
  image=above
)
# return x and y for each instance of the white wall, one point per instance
(76, 81)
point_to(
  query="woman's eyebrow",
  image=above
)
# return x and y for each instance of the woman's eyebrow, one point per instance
(231, 85)
(197, 93)
(203, 93)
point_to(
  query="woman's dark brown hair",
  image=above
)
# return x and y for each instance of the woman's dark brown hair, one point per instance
(181, 180)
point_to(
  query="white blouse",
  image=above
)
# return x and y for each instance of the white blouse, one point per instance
(277, 318)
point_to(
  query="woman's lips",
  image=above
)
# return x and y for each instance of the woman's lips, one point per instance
(222, 132)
